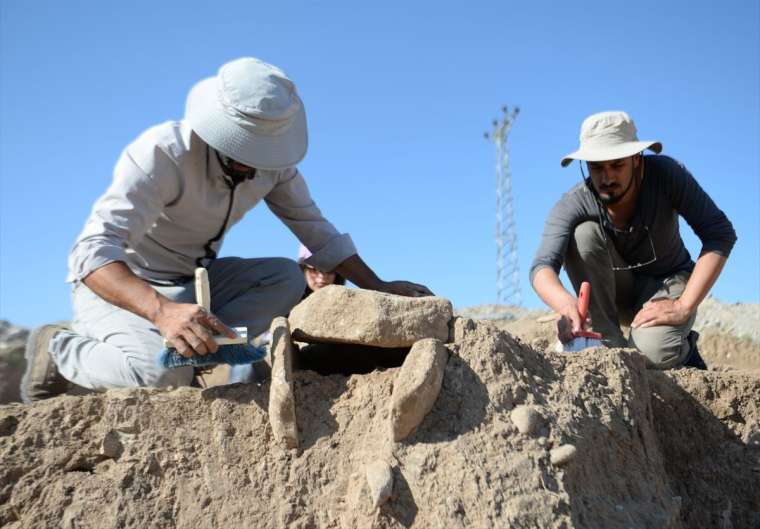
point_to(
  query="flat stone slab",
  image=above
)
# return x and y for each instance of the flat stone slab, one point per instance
(417, 385)
(336, 314)
(282, 406)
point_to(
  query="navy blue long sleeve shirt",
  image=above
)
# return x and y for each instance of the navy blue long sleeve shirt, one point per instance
(667, 190)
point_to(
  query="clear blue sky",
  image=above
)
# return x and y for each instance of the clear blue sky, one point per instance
(398, 95)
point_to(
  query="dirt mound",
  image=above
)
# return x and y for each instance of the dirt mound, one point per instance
(649, 449)
(729, 332)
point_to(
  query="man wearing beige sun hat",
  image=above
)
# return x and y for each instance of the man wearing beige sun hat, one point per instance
(176, 191)
(618, 229)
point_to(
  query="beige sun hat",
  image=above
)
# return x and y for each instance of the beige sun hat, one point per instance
(250, 112)
(609, 136)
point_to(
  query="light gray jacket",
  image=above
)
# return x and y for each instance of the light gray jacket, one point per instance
(169, 198)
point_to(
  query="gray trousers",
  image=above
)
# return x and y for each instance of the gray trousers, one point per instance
(616, 297)
(110, 347)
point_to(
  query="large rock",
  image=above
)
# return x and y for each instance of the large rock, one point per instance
(347, 315)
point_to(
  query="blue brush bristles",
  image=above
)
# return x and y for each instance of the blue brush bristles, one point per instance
(232, 354)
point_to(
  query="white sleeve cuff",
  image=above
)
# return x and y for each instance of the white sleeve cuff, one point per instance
(337, 250)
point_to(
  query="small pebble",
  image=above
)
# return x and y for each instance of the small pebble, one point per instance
(111, 445)
(751, 434)
(526, 419)
(562, 455)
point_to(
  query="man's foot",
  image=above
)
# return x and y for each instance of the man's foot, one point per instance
(695, 359)
(41, 378)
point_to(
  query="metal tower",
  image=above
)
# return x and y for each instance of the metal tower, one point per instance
(507, 267)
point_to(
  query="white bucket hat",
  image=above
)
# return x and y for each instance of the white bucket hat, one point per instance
(609, 136)
(250, 112)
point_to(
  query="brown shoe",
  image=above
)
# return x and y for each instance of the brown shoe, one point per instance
(41, 377)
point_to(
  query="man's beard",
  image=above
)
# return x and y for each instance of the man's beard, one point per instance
(609, 199)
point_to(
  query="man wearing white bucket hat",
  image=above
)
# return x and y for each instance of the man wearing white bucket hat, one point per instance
(618, 229)
(176, 191)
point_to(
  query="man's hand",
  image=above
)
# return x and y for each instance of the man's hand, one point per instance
(190, 328)
(405, 288)
(356, 270)
(569, 322)
(661, 311)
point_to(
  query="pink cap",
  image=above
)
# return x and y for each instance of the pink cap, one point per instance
(303, 253)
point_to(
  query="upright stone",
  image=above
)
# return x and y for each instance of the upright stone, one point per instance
(336, 314)
(379, 481)
(417, 385)
(282, 409)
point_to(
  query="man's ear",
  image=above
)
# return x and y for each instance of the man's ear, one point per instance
(636, 161)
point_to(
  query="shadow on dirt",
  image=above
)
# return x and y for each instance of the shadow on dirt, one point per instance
(347, 359)
(710, 468)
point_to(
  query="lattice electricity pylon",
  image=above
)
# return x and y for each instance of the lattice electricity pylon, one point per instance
(507, 265)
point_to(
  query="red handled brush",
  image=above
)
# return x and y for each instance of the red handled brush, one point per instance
(582, 339)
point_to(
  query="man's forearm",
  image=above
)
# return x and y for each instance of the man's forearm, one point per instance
(549, 288)
(118, 285)
(359, 273)
(706, 272)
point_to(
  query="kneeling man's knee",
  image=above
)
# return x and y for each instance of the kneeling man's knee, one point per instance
(587, 238)
(663, 346)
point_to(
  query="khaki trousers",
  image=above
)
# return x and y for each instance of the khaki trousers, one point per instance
(616, 297)
(110, 347)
